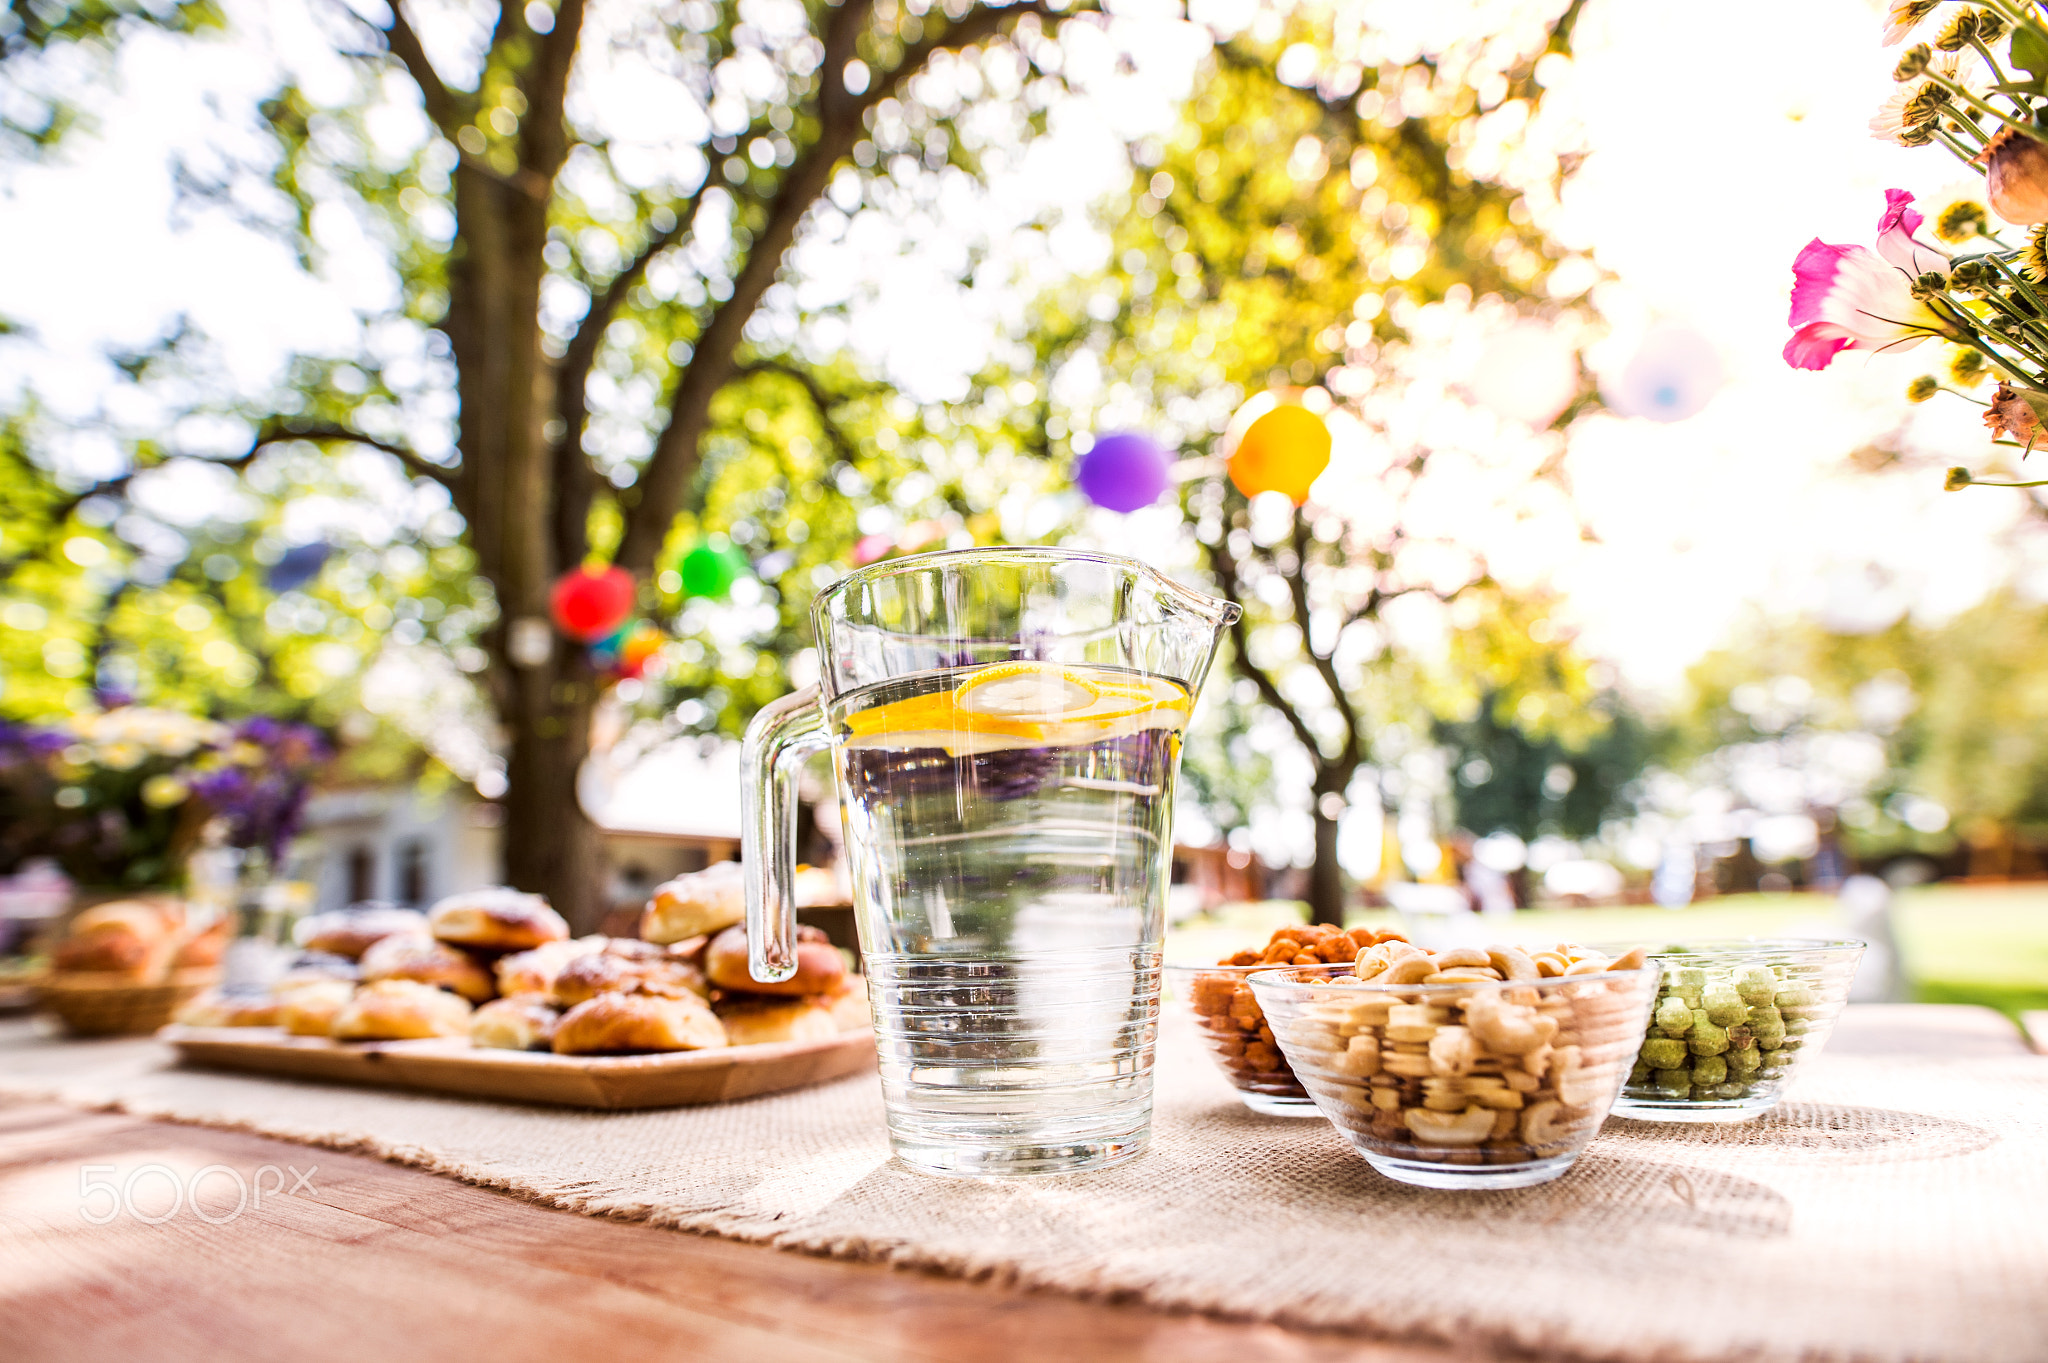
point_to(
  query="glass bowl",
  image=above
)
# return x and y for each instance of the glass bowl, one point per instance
(1484, 1084)
(1732, 1020)
(1234, 1029)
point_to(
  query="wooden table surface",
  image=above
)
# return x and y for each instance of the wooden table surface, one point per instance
(365, 1260)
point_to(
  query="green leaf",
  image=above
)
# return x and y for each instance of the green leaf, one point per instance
(2030, 50)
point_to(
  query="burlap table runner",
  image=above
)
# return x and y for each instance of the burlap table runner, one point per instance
(1895, 1209)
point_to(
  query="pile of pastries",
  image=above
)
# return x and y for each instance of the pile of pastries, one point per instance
(499, 968)
(138, 941)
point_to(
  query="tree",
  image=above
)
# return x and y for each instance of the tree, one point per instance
(586, 298)
(1320, 206)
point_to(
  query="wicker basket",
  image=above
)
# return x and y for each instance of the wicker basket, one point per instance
(93, 1004)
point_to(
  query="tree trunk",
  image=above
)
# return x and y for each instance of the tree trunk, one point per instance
(550, 846)
(1326, 876)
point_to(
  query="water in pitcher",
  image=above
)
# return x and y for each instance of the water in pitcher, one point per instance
(1008, 829)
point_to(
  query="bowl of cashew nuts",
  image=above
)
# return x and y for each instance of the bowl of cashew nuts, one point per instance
(1471, 1067)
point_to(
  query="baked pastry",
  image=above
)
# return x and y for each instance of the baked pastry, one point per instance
(758, 1022)
(429, 962)
(132, 937)
(622, 1024)
(203, 949)
(533, 972)
(820, 969)
(400, 1010)
(522, 1022)
(311, 967)
(213, 1009)
(690, 906)
(497, 919)
(625, 966)
(354, 930)
(310, 1009)
(849, 1007)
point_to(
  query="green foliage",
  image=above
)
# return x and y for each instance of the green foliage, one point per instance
(1961, 707)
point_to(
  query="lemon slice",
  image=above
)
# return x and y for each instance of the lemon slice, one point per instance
(1024, 704)
(1025, 691)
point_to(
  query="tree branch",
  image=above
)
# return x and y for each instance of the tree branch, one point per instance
(1297, 587)
(279, 433)
(1225, 568)
(677, 449)
(822, 401)
(543, 132)
(441, 104)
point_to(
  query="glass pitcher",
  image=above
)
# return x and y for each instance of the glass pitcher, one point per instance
(1005, 727)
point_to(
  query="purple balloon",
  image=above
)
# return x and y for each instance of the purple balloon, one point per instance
(1124, 471)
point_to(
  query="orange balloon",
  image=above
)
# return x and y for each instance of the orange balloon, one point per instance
(1283, 451)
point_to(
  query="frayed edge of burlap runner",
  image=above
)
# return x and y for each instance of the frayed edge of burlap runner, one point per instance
(1548, 1339)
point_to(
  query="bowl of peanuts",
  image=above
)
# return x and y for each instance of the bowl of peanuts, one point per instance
(1465, 1068)
(1234, 1028)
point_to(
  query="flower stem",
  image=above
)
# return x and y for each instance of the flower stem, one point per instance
(1979, 482)
(1998, 76)
(1969, 96)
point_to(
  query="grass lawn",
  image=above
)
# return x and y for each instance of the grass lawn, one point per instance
(1983, 944)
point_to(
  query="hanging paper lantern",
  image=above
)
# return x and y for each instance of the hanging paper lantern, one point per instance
(1124, 471)
(1527, 373)
(1283, 447)
(638, 649)
(1673, 374)
(298, 565)
(604, 652)
(590, 603)
(710, 572)
(868, 548)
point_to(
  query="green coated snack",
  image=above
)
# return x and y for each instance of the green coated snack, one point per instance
(1640, 1072)
(1731, 1091)
(1674, 1018)
(1745, 1062)
(1692, 983)
(1794, 996)
(1709, 1070)
(1706, 1038)
(1664, 1053)
(1724, 1006)
(1676, 1083)
(1756, 984)
(1768, 1026)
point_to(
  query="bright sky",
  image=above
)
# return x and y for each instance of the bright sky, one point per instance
(1718, 149)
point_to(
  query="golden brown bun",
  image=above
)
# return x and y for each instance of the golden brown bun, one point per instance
(760, 1022)
(625, 966)
(312, 968)
(497, 919)
(352, 931)
(310, 1009)
(820, 969)
(400, 1010)
(692, 905)
(132, 937)
(229, 1010)
(849, 1006)
(523, 1022)
(533, 972)
(203, 949)
(622, 1024)
(429, 962)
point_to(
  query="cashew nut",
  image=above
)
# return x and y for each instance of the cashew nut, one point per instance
(1512, 964)
(1540, 1124)
(1633, 959)
(1510, 1029)
(1452, 1051)
(1577, 1085)
(1463, 974)
(1408, 970)
(1469, 1127)
(1457, 956)
(1549, 963)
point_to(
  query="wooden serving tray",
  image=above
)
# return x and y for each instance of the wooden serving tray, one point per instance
(452, 1066)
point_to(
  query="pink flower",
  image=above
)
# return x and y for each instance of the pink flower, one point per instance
(1852, 298)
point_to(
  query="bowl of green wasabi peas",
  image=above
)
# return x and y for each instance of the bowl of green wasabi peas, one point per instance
(1732, 1021)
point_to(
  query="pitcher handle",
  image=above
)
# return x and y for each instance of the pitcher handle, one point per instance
(780, 737)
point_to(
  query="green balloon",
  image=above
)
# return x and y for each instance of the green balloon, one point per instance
(711, 572)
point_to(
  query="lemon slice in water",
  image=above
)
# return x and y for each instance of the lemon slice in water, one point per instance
(1024, 704)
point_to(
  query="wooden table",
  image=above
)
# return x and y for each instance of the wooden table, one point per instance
(374, 1261)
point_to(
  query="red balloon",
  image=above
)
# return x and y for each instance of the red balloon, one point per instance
(590, 604)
